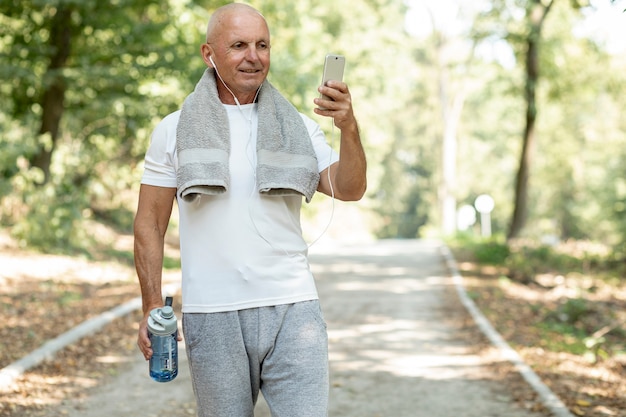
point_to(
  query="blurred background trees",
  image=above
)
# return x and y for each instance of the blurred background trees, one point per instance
(441, 89)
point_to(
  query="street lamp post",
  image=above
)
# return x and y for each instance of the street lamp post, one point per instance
(484, 205)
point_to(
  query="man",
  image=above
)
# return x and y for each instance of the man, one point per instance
(239, 158)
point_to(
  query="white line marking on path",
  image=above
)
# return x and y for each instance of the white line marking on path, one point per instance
(549, 399)
(10, 373)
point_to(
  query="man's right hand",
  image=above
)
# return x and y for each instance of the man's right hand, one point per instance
(143, 341)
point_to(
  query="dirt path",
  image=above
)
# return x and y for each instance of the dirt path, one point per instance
(401, 345)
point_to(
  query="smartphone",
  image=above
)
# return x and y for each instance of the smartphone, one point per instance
(333, 70)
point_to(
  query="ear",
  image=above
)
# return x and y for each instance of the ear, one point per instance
(206, 52)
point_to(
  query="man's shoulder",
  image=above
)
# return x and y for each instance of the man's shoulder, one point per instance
(168, 124)
(171, 119)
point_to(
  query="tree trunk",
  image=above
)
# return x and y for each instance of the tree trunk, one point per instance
(451, 111)
(536, 16)
(54, 88)
(451, 119)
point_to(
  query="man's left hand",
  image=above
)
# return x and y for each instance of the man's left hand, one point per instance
(340, 107)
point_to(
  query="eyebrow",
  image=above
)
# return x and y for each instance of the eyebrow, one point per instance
(241, 40)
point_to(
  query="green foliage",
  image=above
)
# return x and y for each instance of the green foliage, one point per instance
(492, 252)
(572, 342)
(46, 216)
(171, 263)
(570, 312)
(568, 320)
(401, 201)
(580, 134)
(525, 261)
(132, 62)
(128, 65)
(543, 258)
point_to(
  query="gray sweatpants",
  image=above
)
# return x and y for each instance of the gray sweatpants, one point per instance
(281, 350)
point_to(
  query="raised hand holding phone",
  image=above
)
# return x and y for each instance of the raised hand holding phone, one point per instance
(333, 71)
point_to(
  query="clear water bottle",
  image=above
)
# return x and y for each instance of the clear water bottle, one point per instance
(163, 333)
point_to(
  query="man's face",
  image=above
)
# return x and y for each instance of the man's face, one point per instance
(241, 52)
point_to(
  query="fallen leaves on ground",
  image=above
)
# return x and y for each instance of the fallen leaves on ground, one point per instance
(35, 311)
(43, 296)
(538, 321)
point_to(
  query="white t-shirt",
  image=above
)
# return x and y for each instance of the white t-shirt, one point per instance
(239, 249)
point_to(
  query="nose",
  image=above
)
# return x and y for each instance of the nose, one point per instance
(252, 53)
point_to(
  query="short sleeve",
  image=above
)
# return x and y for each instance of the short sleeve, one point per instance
(160, 161)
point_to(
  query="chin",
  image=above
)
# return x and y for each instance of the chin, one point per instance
(253, 85)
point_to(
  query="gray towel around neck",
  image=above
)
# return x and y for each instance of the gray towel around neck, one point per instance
(286, 161)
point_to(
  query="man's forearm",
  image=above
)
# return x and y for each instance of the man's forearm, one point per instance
(149, 266)
(351, 178)
(153, 214)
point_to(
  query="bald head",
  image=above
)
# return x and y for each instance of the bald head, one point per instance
(238, 48)
(223, 15)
